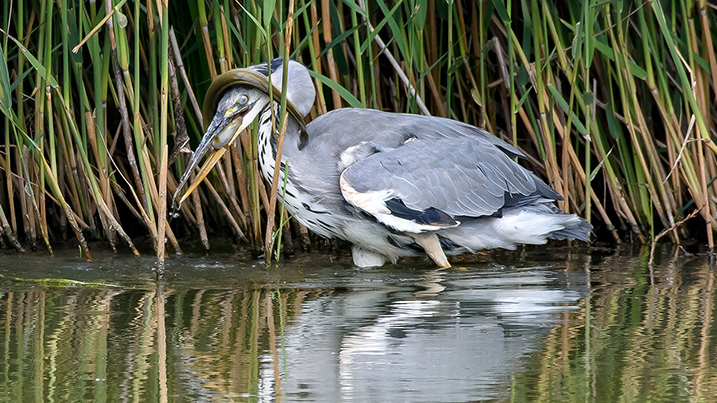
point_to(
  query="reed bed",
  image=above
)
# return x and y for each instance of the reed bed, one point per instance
(613, 102)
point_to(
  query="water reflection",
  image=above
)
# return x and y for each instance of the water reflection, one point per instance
(643, 334)
(440, 335)
(558, 328)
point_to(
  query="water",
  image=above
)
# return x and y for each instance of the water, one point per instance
(542, 325)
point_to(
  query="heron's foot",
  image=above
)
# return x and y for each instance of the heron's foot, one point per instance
(366, 258)
(432, 246)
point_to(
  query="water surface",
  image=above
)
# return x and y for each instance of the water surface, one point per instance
(537, 325)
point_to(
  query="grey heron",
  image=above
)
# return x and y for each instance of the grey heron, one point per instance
(391, 184)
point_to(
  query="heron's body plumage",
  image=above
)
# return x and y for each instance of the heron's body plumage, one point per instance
(391, 184)
(426, 163)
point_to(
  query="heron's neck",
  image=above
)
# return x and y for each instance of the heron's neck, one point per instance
(267, 141)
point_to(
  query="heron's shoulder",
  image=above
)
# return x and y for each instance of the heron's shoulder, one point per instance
(354, 115)
(374, 125)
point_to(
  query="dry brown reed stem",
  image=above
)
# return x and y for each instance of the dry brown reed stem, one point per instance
(701, 86)
(162, 211)
(331, 64)
(94, 30)
(29, 173)
(70, 166)
(226, 176)
(231, 196)
(316, 64)
(207, 41)
(543, 108)
(46, 126)
(29, 229)
(223, 47)
(181, 138)
(8, 183)
(708, 46)
(271, 211)
(196, 203)
(162, 223)
(256, 182)
(436, 95)
(131, 159)
(235, 226)
(241, 181)
(227, 43)
(179, 64)
(703, 183)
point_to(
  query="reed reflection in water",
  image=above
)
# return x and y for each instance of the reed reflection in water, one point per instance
(561, 327)
(644, 334)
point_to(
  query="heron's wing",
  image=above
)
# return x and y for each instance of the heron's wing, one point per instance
(427, 184)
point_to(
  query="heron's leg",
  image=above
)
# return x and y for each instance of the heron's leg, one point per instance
(432, 246)
(366, 258)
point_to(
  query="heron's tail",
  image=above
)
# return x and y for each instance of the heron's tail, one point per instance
(533, 224)
(574, 227)
(579, 231)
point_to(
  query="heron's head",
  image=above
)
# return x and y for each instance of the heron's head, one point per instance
(233, 102)
(236, 110)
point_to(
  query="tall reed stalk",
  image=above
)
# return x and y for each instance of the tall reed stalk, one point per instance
(612, 102)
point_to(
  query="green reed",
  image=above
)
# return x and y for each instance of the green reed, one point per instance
(611, 102)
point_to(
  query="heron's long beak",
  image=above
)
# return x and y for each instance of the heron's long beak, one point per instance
(222, 132)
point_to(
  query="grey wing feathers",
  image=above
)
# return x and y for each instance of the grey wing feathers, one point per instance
(341, 127)
(461, 176)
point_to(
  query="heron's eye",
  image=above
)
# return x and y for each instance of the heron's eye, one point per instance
(243, 99)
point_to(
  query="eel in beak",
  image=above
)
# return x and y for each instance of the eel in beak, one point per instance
(223, 130)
